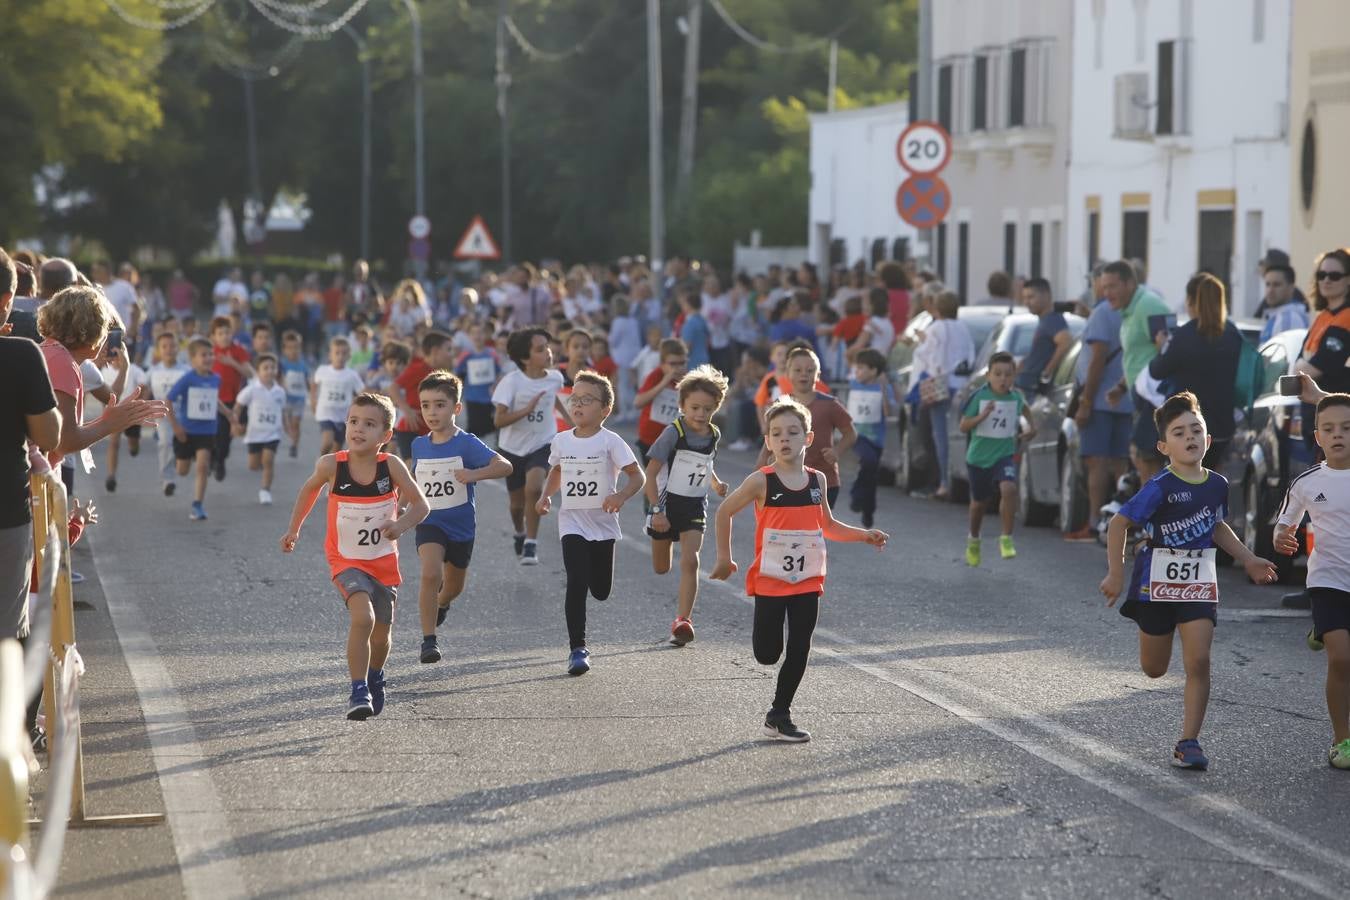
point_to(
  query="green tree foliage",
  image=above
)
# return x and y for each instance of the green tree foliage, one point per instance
(73, 84)
(167, 141)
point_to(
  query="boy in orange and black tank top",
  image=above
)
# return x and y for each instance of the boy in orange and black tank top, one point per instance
(792, 522)
(365, 489)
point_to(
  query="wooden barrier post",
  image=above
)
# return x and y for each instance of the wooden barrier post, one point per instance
(13, 764)
(56, 513)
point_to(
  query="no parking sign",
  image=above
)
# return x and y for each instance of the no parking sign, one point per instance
(924, 149)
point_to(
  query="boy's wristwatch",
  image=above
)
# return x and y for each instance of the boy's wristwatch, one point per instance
(659, 509)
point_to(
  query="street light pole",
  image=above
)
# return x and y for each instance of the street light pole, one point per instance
(418, 110)
(684, 168)
(503, 83)
(655, 163)
(365, 137)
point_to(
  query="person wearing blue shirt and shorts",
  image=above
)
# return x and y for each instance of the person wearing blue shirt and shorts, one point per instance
(446, 463)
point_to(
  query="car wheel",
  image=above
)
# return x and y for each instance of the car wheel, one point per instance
(1073, 501)
(1033, 514)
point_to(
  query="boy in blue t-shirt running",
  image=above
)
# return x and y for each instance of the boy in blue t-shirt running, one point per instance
(445, 464)
(295, 379)
(193, 404)
(479, 368)
(992, 417)
(1174, 585)
(871, 402)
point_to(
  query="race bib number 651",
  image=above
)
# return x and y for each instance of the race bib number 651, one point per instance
(1183, 576)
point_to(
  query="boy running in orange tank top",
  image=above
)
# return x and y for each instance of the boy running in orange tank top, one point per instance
(366, 487)
(792, 523)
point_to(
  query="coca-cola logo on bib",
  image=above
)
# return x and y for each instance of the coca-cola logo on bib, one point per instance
(1172, 592)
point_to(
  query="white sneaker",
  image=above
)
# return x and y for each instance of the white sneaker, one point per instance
(265, 498)
(740, 445)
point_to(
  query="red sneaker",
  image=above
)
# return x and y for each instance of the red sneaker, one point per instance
(1084, 535)
(681, 631)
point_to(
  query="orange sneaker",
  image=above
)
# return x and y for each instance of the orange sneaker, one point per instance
(681, 631)
(1084, 535)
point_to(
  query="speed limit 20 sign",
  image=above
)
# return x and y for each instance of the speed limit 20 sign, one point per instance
(924, 148)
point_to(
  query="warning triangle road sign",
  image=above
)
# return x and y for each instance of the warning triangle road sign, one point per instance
(477, 242)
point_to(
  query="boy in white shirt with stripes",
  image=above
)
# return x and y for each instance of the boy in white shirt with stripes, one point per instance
(1323, 493)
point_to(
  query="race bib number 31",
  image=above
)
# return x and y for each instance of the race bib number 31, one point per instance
(585, 483)
(792, 556)
(437, 479)
(1183, 576)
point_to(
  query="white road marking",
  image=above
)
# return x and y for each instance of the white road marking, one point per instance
(201, 833)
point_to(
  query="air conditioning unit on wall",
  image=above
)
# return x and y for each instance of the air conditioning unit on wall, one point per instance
(1131, 107)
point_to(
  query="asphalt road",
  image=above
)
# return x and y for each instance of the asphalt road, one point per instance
(977, 733)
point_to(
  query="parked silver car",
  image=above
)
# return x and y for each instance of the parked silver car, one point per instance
(1052, 477)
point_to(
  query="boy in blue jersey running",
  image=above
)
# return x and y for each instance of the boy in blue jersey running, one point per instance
(871, 402)
(1174, 586)
(295, 379)
(479, 368)
(445, 464)
(193, 404)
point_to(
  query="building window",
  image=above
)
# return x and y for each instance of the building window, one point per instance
(1010, 247)
(1017, 87)
(963, 260)
(1037, 240)
(878, 252)
(1216, 244)
(838, 252)
(900, 249)
(1173, 87)
(1166, 84)
(1094, 239)
(942, 250)
(944, 96)
(979, 115)
(1134, 234)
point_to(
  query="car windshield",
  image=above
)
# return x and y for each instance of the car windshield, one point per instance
(980, 327)
(1018, 342)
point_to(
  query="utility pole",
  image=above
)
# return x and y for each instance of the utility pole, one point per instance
(419, 112)
(925, 75)
(503, 83)
(365, 137)
(834, 74)
(255, 217)
(684, 169)
(655, 162)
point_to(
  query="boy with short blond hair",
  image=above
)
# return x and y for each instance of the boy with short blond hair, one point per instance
(334, 388)
(679, 475)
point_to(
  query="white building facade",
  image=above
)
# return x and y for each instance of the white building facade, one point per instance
(855, 176)
(1001, 87)
(1179, 139)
